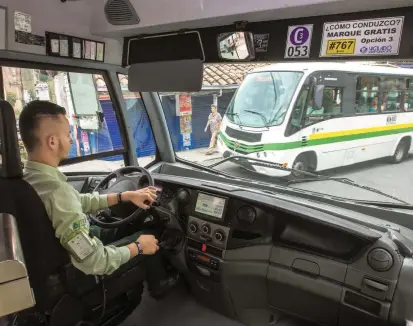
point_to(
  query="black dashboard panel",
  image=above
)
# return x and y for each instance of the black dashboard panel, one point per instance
(309, 236)
(317, 271)
(267, 256)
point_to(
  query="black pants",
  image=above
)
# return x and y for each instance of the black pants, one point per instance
(154, 264)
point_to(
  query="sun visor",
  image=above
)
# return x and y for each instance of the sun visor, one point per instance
(166, 76)
(166, 47)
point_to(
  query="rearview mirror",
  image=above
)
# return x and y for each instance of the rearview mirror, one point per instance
(318, 95)
(236, 46)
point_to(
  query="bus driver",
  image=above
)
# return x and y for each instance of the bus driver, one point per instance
(45, 132)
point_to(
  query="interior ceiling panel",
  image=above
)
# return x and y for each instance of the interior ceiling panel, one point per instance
(159, 16)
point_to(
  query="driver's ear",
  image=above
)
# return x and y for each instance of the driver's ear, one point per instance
(52, 141)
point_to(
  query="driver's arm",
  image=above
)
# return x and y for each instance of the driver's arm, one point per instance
(94, 201)
(88, 254)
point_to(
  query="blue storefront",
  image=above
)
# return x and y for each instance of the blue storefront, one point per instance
(108, 138)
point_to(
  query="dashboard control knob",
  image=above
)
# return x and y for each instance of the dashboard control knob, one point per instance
(206, 229)
(380, 260)
(219, 236)
(193, 228)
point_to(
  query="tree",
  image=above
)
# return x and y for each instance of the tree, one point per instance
(11, 98)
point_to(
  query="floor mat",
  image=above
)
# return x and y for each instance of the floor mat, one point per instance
(178, 309)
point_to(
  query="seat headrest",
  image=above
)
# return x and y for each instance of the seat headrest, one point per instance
(10, 166)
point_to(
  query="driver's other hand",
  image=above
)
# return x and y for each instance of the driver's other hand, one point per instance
(149, 244)
(142, 198)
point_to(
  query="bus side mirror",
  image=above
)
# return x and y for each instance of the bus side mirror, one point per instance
(318, 96)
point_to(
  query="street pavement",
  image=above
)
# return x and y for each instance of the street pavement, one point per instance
(393, 179)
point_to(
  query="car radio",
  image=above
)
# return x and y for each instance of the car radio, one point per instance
(204, 265)
(203, 259)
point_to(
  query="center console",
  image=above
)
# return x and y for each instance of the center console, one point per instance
(208, 233)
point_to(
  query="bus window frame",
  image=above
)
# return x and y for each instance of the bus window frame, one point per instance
(105, 73)
(380, 92)
(357, 77)
(332, 116)
(290, 129)
(350, 90)
(342, 84)
(157, 153)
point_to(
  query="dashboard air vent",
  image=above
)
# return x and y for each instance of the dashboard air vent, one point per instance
(121, 12)
(380, 260)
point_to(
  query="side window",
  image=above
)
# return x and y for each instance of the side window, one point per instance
(367, 94)
(392, 94)
(331, 106)
(139, 123)
(407, 103)
(93, 123)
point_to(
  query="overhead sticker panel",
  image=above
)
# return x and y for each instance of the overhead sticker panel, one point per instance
(298, 41)
(261, 42)
(369, 37)
(22, 22)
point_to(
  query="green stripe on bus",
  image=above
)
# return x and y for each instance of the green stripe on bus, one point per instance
(323, 141)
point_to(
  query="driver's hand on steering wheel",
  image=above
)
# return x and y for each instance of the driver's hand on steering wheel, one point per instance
(142, 198)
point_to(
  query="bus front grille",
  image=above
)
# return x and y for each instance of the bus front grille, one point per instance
(243, 135)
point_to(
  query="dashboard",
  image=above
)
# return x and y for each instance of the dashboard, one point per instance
(249, 254)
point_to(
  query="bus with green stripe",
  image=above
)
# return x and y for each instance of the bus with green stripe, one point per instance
(319, 116)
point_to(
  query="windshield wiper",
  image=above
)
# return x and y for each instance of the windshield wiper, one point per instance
(348, 182)
(314, 176)
(385, 204)
(264, 119)
(235, 115)
(259, 162)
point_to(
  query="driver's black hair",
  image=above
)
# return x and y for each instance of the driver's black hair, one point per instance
(29, 118)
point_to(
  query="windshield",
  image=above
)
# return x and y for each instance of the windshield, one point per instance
(353, 134)
(263, 98)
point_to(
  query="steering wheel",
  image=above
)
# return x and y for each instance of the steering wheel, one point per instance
(121, 177)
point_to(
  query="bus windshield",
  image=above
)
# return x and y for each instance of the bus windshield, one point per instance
(263, 98)
(348, 122)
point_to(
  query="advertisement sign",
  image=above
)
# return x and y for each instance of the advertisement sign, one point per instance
(183, 104)
(185, 123)
(85, 142)
(186, 140)
(298, 41)
(369, 37)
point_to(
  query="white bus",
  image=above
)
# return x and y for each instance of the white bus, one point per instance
(318, 116)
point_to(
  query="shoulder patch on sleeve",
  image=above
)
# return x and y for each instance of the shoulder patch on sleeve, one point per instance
(80, 245)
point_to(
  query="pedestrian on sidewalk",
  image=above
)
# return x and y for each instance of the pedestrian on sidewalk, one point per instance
(214, 122)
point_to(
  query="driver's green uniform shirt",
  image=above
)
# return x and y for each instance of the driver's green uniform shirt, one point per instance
(66, 209)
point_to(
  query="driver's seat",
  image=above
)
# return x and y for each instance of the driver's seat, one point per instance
(63, 294)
